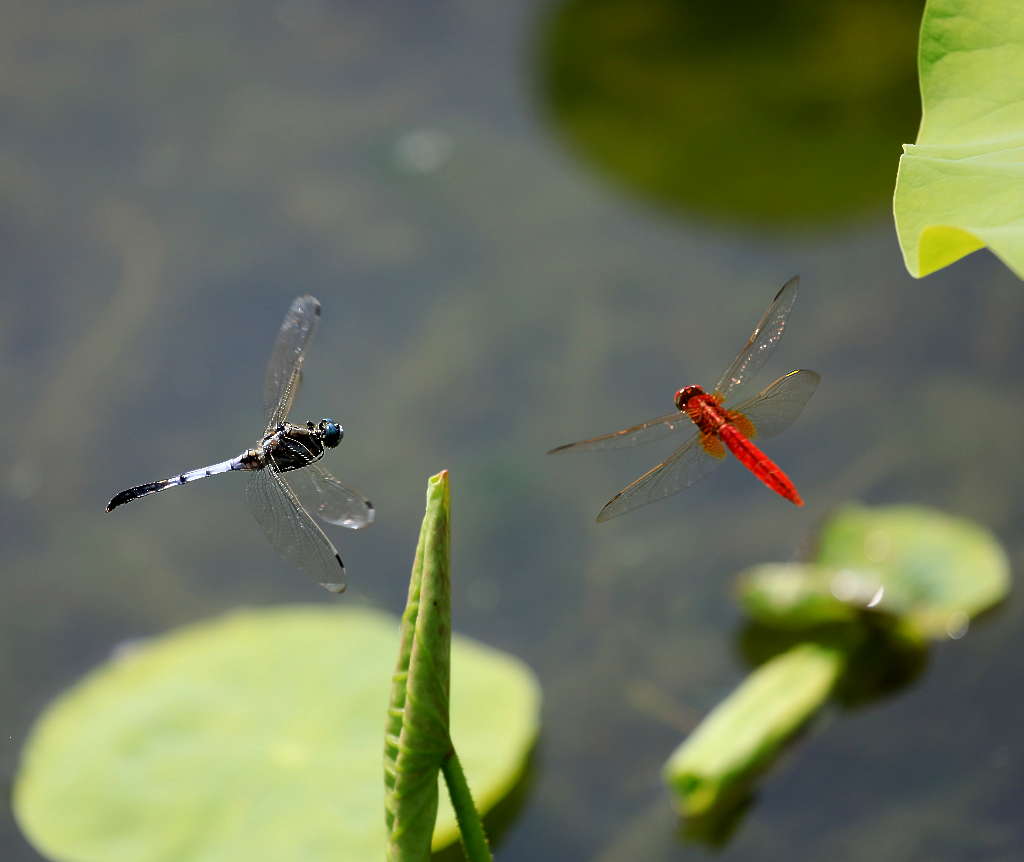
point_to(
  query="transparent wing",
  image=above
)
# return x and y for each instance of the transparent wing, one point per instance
(646, 432)
(291, 531)
(762, 340)
(284, 371)
(776, 406)
(324, 496)
(688, 464)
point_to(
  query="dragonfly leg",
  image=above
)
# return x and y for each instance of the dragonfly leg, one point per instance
(712, 445)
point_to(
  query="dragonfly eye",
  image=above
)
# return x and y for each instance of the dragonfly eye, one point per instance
(685, 394)
(332, 432)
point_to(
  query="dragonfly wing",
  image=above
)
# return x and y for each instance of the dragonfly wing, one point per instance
(688, 464)
(645, 432)
(762, 340)
(291, 531)
(776, 406)
(327, 498)
(284, 371)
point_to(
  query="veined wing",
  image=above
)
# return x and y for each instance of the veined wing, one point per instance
(645, 432)
(688, 464)
(284, 371)
(327, 498)
(291, 531)
(762, 340)
(776, 406)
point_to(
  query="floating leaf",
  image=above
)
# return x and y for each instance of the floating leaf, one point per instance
(936, 571)
(796, 595)
(959, 187)
(255, 736)
(931, 571)
(744, 733)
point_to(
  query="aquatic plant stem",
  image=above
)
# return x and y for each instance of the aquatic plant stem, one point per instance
(471, 829)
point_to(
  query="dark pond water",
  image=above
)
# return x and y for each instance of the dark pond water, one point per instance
(497, 279)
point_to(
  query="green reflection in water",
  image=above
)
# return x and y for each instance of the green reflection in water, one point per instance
(788, 112)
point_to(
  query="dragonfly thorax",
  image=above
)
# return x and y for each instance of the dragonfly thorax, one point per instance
(684, 395)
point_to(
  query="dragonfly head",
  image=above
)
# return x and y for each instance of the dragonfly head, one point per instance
(685, 394)
(331, 432)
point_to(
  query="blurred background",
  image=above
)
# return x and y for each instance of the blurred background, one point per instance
(527, 223)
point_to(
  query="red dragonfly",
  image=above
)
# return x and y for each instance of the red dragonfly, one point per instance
(768, 413)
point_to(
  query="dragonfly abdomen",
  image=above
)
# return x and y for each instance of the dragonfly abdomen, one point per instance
(246, 461)
(758, 463)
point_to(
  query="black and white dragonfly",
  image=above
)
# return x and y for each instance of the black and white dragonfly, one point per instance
(285, 465)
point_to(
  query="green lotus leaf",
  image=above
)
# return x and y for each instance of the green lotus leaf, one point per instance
(795, 595)
(935, 571)
(254, 736)
(745, 732)
(959, 187)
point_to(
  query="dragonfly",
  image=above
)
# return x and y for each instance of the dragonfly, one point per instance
(719, 427)
(287, 480)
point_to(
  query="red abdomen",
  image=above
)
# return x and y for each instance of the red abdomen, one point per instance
(758, 463)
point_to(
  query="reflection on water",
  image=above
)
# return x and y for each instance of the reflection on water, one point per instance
(775, 113)
(716, 829)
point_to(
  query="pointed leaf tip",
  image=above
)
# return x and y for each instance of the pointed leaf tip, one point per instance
(418, 717)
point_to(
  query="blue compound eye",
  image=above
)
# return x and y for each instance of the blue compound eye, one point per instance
(332, 432)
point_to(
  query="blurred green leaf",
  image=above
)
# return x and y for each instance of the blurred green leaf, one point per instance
(797, 595)
(931, 571)
(254, 736)
(743, 734)
(928, 572)
(959, 187)
(936, 572)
